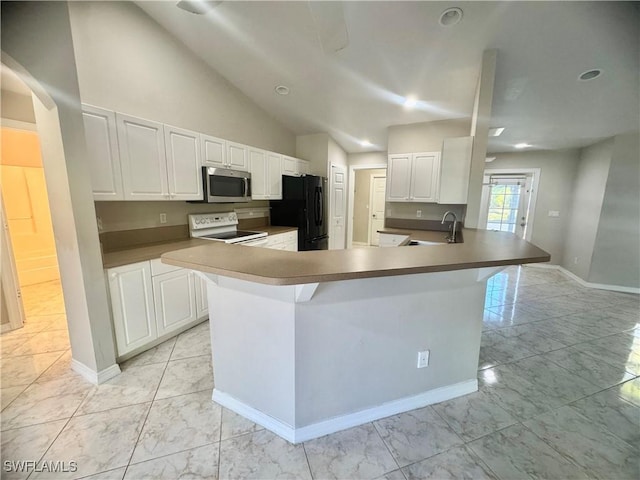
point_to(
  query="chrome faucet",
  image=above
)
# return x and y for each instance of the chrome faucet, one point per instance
(451, 238)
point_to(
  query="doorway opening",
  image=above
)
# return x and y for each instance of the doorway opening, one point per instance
(27, 228)
(367, 205)
(508, 201)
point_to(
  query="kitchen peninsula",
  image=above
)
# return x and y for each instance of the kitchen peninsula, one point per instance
(309, 343)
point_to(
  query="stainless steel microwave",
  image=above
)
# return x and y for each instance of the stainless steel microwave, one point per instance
(221, 185)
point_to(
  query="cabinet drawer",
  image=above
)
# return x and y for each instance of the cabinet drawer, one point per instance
(158, 268)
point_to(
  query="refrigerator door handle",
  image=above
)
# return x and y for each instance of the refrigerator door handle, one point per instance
(318, 209)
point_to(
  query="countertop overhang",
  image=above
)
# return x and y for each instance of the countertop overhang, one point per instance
(480, 249)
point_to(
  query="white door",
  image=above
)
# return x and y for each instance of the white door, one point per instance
(506, 203)
(398, 178)
(175, 300)
(376, 222)
(337, 207)
(103, 155)
(183, 163)
(134, 316)
(11, 307)
(142, 154)
(424, 177)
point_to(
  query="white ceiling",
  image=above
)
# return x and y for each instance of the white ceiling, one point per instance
(396, 49)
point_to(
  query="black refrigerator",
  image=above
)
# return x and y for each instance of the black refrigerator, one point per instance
(303, 206)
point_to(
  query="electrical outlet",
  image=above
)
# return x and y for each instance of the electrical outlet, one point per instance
(418, 213)
(163, 218)
(423, 359)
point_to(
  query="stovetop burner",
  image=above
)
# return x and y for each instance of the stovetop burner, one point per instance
(230, 235)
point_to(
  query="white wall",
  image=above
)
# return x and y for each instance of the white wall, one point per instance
(315, 149)
(554, 192)
(36, 40)
(367, 158)
(616, 253)
(425, 136)
(17, 107)
(480, 130)
(128, 63)
(588, 195)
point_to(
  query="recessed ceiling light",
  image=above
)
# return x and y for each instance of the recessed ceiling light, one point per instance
(496, 131)
(365, 143)
(282, 90)
(522, 145)
(410, 102)
(590, 74)
(450, 17)
(199, 7)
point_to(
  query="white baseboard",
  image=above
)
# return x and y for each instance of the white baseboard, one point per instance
(584, 283)
(336, 424)
(92, 376)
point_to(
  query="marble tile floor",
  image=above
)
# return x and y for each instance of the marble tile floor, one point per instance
(559, 397)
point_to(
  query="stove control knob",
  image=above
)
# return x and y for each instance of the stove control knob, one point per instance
(233, 217)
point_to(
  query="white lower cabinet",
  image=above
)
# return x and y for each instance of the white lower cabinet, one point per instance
(150, 300)
(283, 241)
(202, 302)
(175, 300)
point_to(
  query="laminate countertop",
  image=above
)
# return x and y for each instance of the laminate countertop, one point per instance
(481, 248)
(141, 253)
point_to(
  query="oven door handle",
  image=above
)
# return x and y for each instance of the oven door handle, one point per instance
(246, 186)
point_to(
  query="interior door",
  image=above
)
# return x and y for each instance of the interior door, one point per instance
(338, 207)
(11, 308)
(376, 222)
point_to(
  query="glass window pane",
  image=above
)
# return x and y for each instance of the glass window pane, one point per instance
(495, 215)
(511, 201)
(497, 201)
(493, 226)
(498, 189)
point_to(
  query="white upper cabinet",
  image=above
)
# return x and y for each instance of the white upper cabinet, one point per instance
(399, 178)
(183, 163)
(214, 151)
(103, 154)
(294, 167)
(303, 166)
(237, 156)
(266, 181)
(258, 164)
(143, 158)
(413, 177)
(455, 166)
(274, 177)
(424, 177)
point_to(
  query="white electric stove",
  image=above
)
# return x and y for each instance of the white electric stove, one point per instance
(223, 227)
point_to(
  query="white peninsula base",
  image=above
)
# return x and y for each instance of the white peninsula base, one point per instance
(307, 360)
